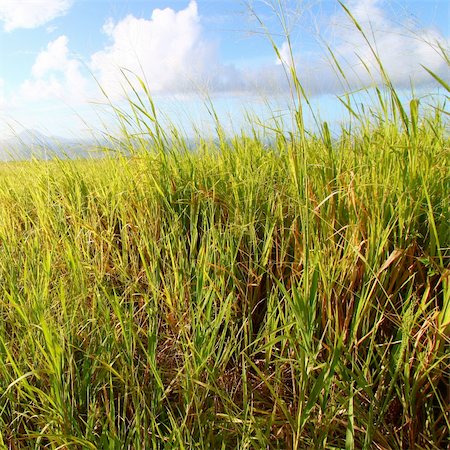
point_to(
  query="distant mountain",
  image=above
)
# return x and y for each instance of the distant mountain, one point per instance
(32, 144)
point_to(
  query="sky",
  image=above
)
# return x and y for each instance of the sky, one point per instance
(56, 54)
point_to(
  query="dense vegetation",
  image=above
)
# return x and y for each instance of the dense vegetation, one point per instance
(290, 292)
(246, 295)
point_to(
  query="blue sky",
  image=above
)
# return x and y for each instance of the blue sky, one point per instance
(52, 51)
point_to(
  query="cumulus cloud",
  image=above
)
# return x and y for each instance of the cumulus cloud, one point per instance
(171, 53)
(55, 74)
(32, 13)
(285, 56)
(401, 48)
(168, 50)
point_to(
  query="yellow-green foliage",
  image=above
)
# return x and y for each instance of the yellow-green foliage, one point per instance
(242, 295)
(288, 290)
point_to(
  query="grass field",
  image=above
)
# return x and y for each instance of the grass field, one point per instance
(254, 293)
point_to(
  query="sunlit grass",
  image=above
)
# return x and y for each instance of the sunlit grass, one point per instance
(290, 292)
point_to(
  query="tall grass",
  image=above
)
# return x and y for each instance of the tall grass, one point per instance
(243, 295)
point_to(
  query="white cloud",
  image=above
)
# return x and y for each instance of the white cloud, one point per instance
(31, 13)
(401, 48)
(168, 50)
(52, 58)
(285, 56)
(171, 53)
(51, 28)
(55, 75)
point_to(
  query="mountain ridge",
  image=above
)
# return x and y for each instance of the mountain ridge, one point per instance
(33, 144)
